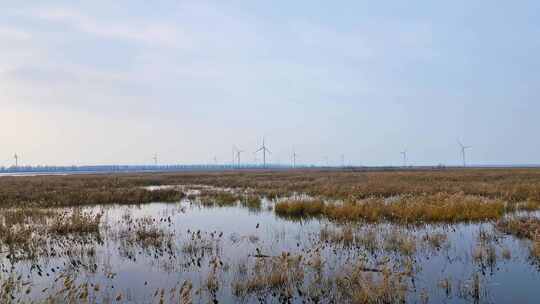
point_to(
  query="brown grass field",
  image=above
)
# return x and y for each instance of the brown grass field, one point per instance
(404, 196)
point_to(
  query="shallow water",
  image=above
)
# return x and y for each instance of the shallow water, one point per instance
(130, 272)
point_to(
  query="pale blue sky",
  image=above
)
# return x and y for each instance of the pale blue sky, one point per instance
(95, 82)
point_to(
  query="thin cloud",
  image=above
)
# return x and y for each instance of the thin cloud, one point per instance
(151, 34)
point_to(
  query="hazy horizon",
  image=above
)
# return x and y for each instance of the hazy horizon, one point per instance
(96, 82)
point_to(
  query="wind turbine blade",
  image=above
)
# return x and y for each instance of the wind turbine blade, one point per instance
(268, 151)
(258, 150)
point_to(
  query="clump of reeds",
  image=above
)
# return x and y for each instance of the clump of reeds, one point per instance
(524, 227)
(300, 208)
(149, 236)
(446, 285)
(436, 240)
(278, 274)
(399, 241)
(528, 205)
(200, 244)
(218, 198)
(472, 289)
(521, 227)
(15, 234)
(28, 216)
(74, 222)
(362, 284)
(506, 253)
(252, 202)
(344, 236)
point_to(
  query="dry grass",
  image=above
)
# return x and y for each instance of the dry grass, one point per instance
(14, 235)
(270, 274)
(75, 221)
(344, 235)
(360, 286)
(300, 208)
(514, 185)
(517, 186)
(440, 207)
(524, 227)
(52, 191)
(218, 198)
(436, 240)
(400, 241)
(252, 202)
(473, 289)
(535, 249)
(521, 227)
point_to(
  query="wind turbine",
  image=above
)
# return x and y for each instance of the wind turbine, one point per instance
(155, 158)
(343, 160)
(294, 155)
(238, 152)
(264, 149)
(16, 160)
(404, 154)
(463, 152)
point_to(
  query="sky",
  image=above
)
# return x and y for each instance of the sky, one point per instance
(113, 82)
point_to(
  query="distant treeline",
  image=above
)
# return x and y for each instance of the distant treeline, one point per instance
(222, 167)
(136, 168)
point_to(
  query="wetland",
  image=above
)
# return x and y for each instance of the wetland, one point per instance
(449, 236)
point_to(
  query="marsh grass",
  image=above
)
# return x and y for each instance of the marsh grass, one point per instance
(200, 244)
(252, 202)
(436, 240)
(62, 191)
(278, 274)
(522, 227)
(473, 289)
(217, 198)
(344, 235)
(15, 235)
(76, 221)
(360, 286)
(516, 186)
(398, 240)
(440, 207)
(526, 227)
(512, 185)
(300, 208)
(27, 233)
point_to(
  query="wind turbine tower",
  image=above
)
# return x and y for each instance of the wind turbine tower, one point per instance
(238, 152)
(264, 150)
(464, 152)
(155, 158)
(404, 154)
(16, 160)
(294, 155)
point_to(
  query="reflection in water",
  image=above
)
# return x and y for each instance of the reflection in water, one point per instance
(168, 252)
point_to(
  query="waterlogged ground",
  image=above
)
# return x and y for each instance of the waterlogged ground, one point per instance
(189, 252)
